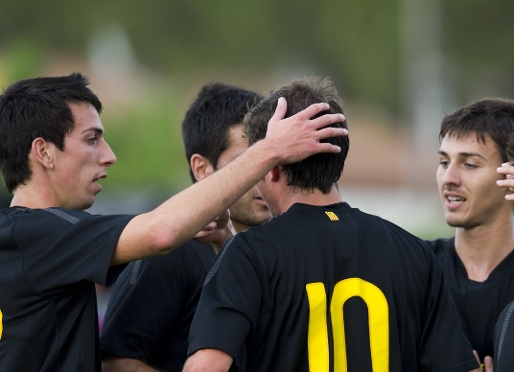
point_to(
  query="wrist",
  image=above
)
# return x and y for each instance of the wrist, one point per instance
(265, 151)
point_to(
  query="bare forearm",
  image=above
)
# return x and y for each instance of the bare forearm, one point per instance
(116, 364)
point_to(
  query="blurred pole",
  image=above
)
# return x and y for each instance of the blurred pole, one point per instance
(422, 95)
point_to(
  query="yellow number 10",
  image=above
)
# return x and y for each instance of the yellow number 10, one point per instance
(378, 318)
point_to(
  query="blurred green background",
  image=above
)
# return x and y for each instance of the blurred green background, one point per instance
(398, 65)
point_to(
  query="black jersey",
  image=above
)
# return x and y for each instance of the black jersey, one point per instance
(504, 341)
(152, 305)
(478, 303)
(320, 288)
(49, 262)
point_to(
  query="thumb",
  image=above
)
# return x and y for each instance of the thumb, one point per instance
(488, 364)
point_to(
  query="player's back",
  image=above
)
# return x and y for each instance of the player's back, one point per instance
(331, 286)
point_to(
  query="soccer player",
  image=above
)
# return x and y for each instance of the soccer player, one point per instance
(323, 286)
(52, 154)
(478, 262)
(137, 334)
(504, 330)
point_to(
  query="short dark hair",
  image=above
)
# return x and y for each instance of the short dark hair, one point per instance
(319, 171)
(205, 128)
(33, 108)
(493, 117)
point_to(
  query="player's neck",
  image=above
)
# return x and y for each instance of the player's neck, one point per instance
(31, 197)
(36, 192)
(312, 197)
(482, 248)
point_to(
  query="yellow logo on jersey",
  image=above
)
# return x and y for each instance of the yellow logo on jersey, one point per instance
(332, 216)
(1, 325)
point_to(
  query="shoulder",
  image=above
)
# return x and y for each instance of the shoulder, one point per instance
(382, 228)
(59, 221)
(171, 276)
(385, 234)
(58, 215)
(34, 224)
(46, 227)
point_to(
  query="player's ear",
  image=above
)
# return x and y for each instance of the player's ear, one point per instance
(275, 173)
(41, 151)
(201, 166)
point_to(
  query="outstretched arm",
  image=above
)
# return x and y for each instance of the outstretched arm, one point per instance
(182, 216)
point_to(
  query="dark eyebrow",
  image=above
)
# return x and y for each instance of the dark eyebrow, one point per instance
(463, 154)
(98, 131)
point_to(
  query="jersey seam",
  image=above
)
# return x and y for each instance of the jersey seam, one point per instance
(63, 215)
(504, 330)
(217, 262)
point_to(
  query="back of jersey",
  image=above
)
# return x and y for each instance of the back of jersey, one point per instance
(332, 289)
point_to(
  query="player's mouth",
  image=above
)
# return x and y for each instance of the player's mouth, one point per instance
(454, 201)
(259, 200)
(95, 181)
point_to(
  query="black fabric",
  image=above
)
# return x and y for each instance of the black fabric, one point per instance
(504, 340)
(49, 262)
(478, 303)
(258, 295)
(152, 305)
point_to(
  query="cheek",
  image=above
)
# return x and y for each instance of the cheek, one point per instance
(487, 190)
(439, 177)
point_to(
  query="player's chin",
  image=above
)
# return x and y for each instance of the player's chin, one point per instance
(262, 216)
(465, 223)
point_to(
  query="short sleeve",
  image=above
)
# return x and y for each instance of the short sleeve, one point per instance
(62, 247)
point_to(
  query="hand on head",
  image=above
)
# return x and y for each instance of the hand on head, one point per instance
(297, 136)
(507, 169)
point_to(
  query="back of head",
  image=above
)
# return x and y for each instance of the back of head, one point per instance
(487, 117)
(205, 129)
(319, 171)
(35, 108)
